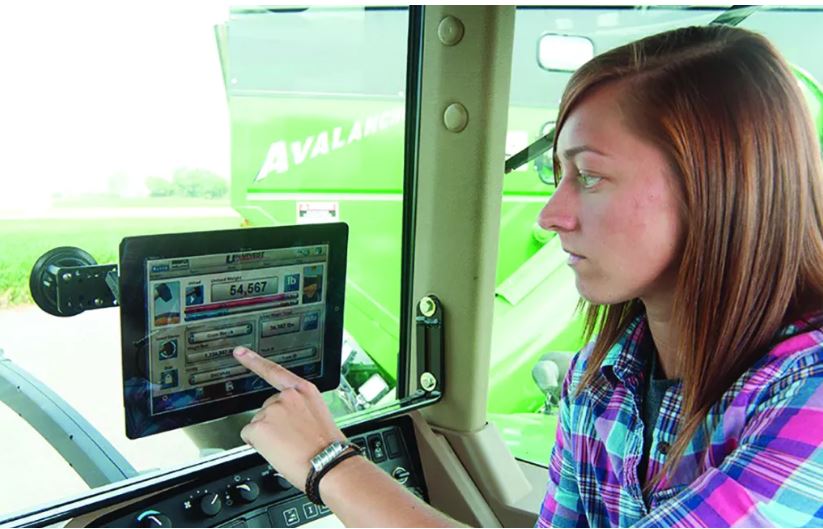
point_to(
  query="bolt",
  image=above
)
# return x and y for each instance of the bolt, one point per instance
(427, 381)
(456, 117)
(427, 307)
(450, 30)
(67, 276)
(98, 302)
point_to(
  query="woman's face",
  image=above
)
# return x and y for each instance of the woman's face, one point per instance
(615, 210)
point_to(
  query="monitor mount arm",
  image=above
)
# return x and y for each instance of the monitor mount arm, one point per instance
(66, 281)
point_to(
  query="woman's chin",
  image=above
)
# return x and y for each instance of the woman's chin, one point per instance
(599, 296)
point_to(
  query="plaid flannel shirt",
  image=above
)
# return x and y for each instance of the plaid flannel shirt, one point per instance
(758, 462)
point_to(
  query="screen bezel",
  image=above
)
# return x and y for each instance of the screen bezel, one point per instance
(134, 251)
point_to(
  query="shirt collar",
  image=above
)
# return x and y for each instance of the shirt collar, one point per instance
(807, 322)
(625, 359)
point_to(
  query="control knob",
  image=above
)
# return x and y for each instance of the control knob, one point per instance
(277, 483)
(246, 492)
(401, 475)
(152, 518)
(210, 504)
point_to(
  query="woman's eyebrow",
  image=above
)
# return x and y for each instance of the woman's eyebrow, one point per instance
(571, 152)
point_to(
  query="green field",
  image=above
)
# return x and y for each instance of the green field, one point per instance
(23, 241)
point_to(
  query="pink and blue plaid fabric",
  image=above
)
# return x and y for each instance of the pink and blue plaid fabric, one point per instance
(757, 462)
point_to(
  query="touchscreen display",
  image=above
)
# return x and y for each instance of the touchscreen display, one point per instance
(203, 307)
(188, 300)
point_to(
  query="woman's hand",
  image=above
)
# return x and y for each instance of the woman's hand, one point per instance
(293, 425)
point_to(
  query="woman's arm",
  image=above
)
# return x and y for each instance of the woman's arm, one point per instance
(362, 495)
(295, 424)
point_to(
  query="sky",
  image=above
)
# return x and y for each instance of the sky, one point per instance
(95, 88)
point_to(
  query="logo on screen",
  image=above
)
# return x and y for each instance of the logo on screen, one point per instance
(243, 257)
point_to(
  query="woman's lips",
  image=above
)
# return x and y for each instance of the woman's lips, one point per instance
(574, 258)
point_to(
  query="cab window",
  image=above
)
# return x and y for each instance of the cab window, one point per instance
(536, 328)
(184, 117)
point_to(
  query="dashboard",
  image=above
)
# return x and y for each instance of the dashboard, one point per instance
(247, 492)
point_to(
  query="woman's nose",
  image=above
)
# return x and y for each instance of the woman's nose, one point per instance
(559, 213)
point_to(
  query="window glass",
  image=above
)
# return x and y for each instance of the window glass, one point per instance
(535, 328)
(176, 117)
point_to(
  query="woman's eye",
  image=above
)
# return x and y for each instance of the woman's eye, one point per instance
(587, 180)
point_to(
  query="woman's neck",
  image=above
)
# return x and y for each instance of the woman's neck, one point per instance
(658, 314)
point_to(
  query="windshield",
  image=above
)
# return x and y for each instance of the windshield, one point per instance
(166, 118)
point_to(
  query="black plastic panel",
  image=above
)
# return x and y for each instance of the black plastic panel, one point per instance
(391, 445)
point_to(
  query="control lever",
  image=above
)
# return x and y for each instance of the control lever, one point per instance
(548, 373)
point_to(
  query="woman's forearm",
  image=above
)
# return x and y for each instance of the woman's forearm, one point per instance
(363, 495)
(358, 491)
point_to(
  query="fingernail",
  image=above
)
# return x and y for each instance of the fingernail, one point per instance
(240, 351)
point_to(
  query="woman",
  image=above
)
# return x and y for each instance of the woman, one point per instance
(689, 199)
(696, 239)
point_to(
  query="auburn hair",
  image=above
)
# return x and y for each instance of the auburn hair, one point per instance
(724, 107)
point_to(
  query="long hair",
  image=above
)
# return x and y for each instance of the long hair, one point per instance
(726, 111)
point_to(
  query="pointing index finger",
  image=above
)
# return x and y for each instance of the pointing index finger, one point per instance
(279, 377)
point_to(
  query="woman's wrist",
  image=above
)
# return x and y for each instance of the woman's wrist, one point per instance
(336, 479)
(325, 460)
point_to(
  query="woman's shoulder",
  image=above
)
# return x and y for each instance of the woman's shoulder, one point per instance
(799, 345)
(795, 359)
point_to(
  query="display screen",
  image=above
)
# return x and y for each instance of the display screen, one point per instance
(203, 307)
(275, 300)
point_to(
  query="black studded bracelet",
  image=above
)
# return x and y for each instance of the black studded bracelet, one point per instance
(313, 479)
